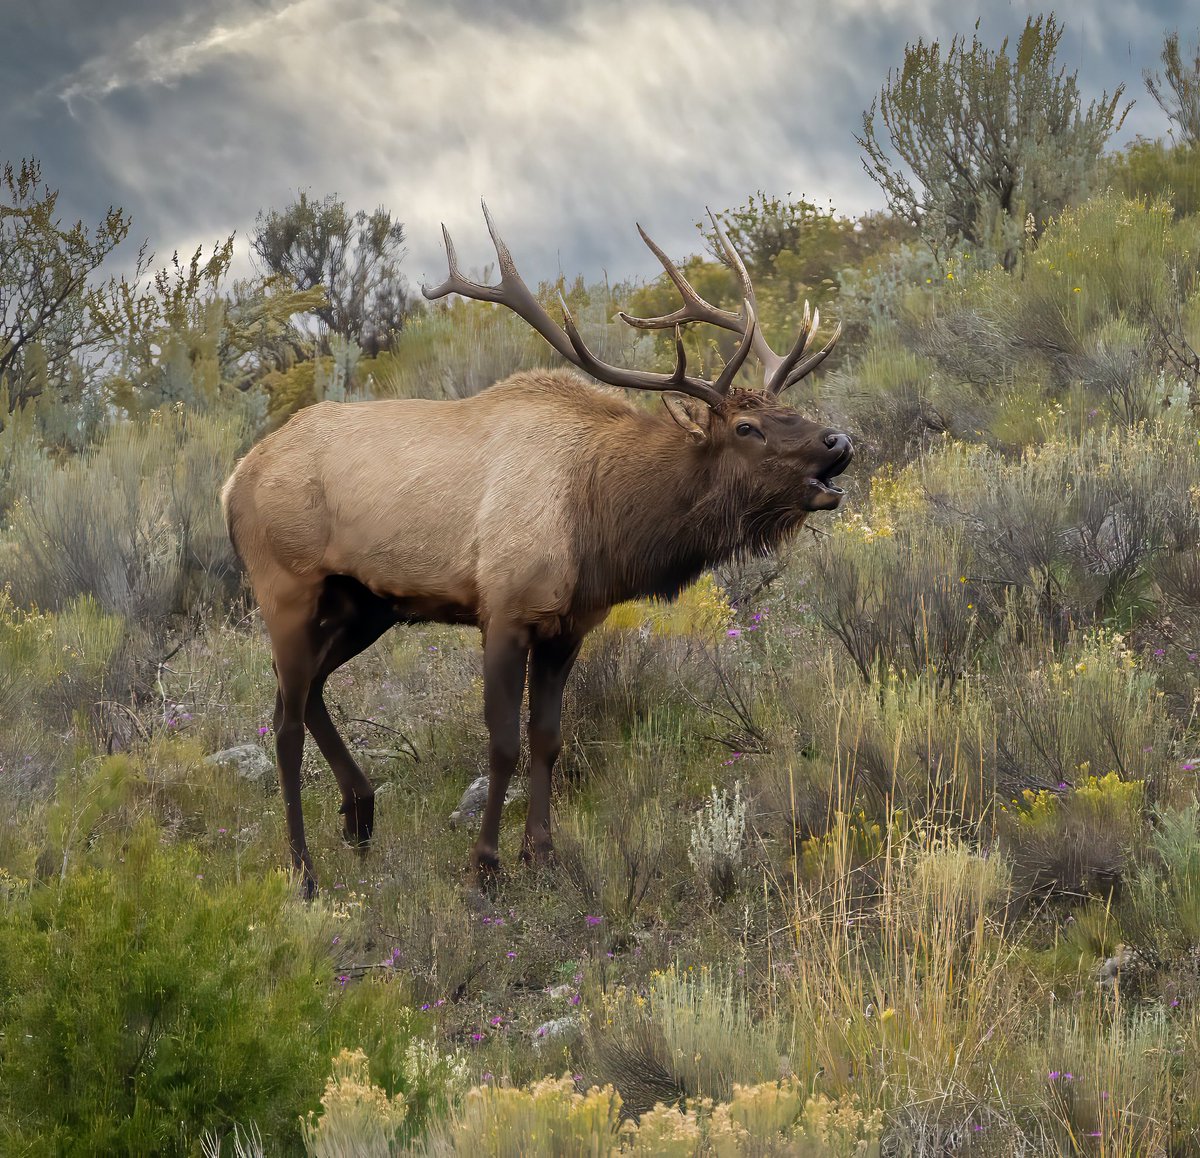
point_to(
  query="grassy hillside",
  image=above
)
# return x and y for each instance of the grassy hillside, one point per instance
(891, 845)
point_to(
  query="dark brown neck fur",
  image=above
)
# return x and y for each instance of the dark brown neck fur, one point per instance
(656, 510)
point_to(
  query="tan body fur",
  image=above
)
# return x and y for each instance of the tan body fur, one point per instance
(426, 503)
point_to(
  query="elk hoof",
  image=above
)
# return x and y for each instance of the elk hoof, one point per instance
(359, 822)
(538, 854)
(302, 866)
(485, 862)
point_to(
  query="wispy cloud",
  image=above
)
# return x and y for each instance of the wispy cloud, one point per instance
(573, 118)
(168, 54)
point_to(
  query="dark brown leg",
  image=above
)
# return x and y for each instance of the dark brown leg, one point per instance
(550, 663)
(370, 619)
(295, 664)
(505, 656)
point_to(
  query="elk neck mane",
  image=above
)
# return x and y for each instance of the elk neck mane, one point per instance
(655, 510)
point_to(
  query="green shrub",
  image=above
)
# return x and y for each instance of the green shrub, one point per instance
(141, 1006)
(1158, 170)
(148, 998)
(1159, 912)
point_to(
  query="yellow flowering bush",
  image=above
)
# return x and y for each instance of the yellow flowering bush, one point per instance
(548, 1117)
(851, 842)
(552, 1116)
(702, 611)
(357, 1119)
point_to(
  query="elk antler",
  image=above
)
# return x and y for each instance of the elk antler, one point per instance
(515, 294)
(781, 371)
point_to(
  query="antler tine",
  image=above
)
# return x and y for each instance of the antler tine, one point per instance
(811, 362)
(750, 321)
(511, 292)
(694, 309)
(733, 258)
(515, 294)
(779, 372)
(777, 379)
(678, 379)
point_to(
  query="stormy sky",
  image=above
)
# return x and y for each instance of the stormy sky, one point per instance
(572, 119)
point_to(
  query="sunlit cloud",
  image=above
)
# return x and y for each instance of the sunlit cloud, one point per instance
(573, 119)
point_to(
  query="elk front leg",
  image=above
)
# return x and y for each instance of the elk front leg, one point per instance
(549, 665)
(505, 657)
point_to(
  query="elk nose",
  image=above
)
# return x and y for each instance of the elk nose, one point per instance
(839, 443)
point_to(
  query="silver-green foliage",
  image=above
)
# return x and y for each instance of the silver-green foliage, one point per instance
(136, 523)
(718, 839)
(991, 142)
(1178, 92)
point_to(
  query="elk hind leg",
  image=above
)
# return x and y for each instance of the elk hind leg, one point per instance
(357, 620)
(295, 661)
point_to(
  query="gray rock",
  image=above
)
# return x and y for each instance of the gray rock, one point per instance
(475, 797)
(560, 1030)
(1121, 968)
(249, 761)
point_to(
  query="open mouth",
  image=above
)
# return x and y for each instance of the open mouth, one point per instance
(824, 481)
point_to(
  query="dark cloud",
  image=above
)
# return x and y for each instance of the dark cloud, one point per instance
(574, 119)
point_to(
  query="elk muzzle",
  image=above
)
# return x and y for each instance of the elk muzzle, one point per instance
(823, 494)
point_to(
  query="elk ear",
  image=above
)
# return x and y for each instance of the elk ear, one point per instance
(693, 415)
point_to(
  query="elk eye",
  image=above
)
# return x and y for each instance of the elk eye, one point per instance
(744, 428)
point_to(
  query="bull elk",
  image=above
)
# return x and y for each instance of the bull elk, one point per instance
(528, 510)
